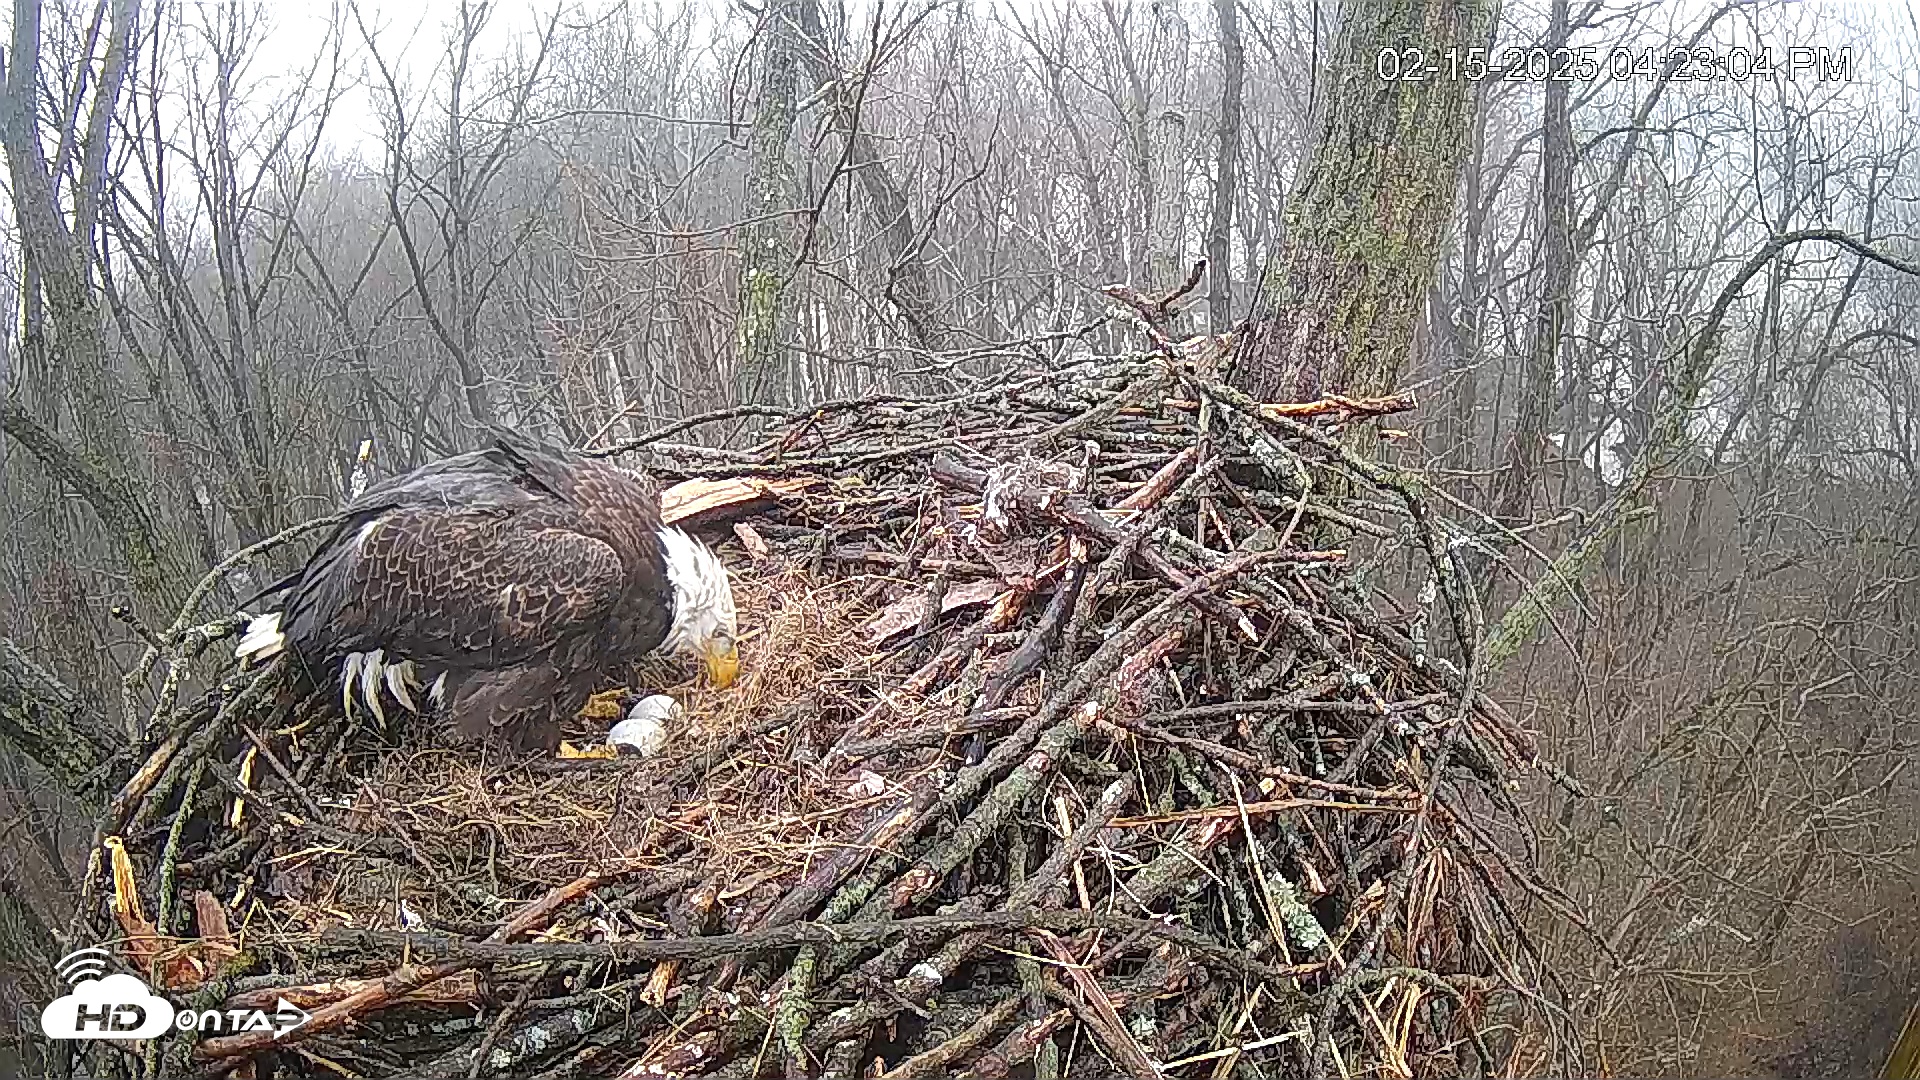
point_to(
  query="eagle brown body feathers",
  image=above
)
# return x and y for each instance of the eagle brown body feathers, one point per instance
(504, 583)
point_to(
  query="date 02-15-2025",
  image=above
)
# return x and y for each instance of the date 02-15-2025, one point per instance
(1585, 64)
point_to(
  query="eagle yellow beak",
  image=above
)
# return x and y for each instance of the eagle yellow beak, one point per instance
(723, 663)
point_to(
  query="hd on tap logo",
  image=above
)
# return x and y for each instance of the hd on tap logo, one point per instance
(102, 1006)
(120, 1006)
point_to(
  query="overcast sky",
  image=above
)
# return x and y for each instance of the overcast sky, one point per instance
(412, 34)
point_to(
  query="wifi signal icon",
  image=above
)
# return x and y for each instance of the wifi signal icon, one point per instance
(82, 964)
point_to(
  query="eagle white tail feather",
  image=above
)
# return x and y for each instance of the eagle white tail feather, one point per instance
(263, 639)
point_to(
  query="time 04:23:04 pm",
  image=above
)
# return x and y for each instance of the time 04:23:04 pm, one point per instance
(1585, 64)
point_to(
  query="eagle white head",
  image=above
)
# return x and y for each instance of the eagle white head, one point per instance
(703, 616)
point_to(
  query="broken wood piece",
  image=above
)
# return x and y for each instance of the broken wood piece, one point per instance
(694, 498)
(695, 919)
(751, 540)
(908, 611)
(143, 938)
(1164, 479)
(246, 782)
(1101, 1017)
(1341, 405)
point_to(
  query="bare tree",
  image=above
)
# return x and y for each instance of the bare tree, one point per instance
(64, 331)
(909, 285)
(1553, 257)
(1226, 167)
(449, 187)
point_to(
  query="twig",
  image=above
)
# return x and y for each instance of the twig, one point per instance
(940, 1060)
(410, 978)
(466, 954)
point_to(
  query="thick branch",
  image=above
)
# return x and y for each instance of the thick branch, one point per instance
(125, 519)
(1669, 437)
(47, 721)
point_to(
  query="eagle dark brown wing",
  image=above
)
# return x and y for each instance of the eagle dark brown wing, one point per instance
(459, 588)
(502, 581)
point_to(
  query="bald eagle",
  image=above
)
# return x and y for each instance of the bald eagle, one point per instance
(504, 583)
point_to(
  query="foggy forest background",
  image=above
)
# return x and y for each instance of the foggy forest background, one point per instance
(591, 219)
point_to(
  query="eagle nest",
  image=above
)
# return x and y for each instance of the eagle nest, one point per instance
(1097, 721)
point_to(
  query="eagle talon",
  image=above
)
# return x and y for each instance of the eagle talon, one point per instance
(605, 705)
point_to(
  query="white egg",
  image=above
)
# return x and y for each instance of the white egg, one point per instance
(645, 728)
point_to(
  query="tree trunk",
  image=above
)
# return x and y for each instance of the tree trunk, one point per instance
(1226, 169)
(766, 243)
(1140, 203)
(1369, 209)
(1526, 446)
(1469, 306)
(462, 194)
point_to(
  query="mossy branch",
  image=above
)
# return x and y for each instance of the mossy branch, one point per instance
(50, 723)
(1669, 438)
